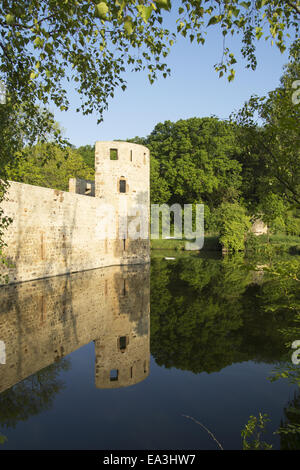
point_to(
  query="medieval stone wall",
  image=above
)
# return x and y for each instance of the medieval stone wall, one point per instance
(56, 232)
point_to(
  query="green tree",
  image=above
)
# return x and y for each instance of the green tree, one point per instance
(160, 191)
(194, 161)
(92, 43)
(87, 152)
(273, 211)
(35, 167)
(269, 135)
(233, 225)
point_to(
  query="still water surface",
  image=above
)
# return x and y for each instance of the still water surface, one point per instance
(89, 365)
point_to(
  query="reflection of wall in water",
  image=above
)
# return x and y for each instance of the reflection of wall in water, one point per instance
(42, 321)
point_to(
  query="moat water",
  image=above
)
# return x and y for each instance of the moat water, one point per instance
(114, 358)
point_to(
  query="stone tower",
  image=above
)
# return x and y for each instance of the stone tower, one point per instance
(122, 181)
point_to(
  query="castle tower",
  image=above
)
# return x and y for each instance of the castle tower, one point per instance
(122, 181)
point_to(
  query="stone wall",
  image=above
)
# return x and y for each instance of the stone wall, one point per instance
(259, 227)
(42, 321)
(55, 232)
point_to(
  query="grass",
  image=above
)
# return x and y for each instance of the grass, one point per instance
(210, 244)
(279, 242)
(283, 238)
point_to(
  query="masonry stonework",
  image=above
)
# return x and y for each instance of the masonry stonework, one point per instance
(55, 232)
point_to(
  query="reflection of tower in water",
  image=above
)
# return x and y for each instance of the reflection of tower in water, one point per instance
(43, 321)
(123, 350)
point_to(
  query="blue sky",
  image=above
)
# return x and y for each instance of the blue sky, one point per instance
(193, 89)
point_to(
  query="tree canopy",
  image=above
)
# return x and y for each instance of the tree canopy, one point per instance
(269, 130)
(47, 165)
(194, 161)
(45, 44)
(90, 44)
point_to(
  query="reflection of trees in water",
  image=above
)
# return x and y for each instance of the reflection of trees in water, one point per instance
(290, 440)
(33, 395)
(280, 301)
(284, 295)
(208, 314)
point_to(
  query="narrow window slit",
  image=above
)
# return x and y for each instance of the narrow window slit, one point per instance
(122, 186)
(122, 343)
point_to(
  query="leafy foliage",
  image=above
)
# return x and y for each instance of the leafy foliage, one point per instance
(44, 44)
(233, 225)
(35, 167)
(252, 19)
(91, 43)
(253, 430)
(193, 162)
(269, 132)
(87, 153)
(289, 429)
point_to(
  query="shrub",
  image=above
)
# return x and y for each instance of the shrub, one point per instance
(233, 225)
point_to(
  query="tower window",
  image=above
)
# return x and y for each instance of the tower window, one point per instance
(122, 186)
(114, 375)
(122, 343)
(113, 153)
(131, 155)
